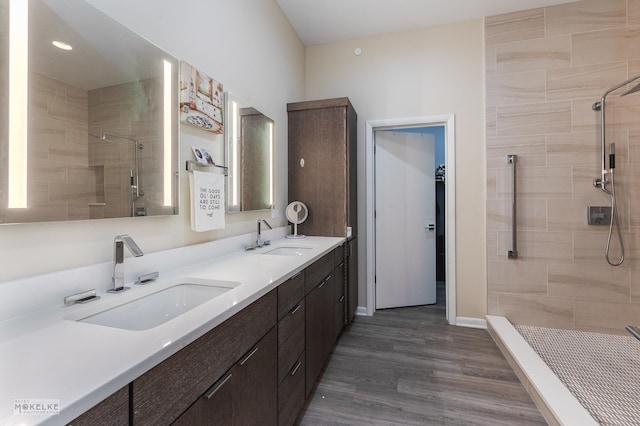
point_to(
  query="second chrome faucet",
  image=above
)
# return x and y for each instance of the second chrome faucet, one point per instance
(259, 243)
(118, 260)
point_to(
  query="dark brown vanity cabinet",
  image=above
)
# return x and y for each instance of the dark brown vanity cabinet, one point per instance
(351, 247)
(256, 368)
(245, 395)
(325, 304)
(291, 346)
(185, 380)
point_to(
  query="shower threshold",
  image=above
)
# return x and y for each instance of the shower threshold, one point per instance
(554, 400)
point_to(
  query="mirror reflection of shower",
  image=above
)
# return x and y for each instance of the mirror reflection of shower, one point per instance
(134, 173)
(607, 176)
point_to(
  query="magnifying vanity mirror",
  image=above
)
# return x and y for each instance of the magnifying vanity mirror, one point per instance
(87, 119)
(249, 144)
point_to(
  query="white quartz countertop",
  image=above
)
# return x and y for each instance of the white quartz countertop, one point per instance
(48, 355)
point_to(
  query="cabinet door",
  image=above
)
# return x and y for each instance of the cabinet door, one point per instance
(338, 301)
(291, 394)
(255, 400)
(318, 136)
(214, 408)
(352, 281)
(319, 330)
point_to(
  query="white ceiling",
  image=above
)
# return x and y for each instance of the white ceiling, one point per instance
(325, 21)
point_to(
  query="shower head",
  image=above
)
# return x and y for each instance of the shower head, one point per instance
(634, 89)
(105, 136)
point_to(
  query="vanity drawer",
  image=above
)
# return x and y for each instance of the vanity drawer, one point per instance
(318, 271)
(290, 293)
(291, 394)
(290, 339)
(288, 325)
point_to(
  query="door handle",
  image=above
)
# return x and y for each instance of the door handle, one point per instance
(430, 227)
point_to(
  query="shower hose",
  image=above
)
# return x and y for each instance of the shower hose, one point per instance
(614, 218)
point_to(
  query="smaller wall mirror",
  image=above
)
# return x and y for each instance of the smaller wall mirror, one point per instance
(249, 138)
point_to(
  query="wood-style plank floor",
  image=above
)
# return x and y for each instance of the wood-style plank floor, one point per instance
(408, 366)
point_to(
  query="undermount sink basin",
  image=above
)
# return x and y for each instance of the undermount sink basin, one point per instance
(289, 250)
(159, 307)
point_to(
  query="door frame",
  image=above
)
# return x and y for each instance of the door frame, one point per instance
(448, 121)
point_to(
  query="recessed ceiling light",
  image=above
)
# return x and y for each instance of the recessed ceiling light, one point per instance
(61, 45)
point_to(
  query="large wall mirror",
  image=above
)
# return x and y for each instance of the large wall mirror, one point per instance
(250, 156)
(87, 118)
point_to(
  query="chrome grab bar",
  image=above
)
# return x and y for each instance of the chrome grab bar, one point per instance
(513, 253)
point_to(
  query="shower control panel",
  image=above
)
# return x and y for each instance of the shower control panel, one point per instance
(599, 215)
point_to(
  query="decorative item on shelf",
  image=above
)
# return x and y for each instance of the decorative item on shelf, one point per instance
(296, 213)
(201, 99)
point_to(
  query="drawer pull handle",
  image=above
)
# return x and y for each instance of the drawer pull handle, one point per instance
(324, 281)
(341, 298)
(296, 275)
(294, 370)
(295, 309)
(249, 355)
(217, 385)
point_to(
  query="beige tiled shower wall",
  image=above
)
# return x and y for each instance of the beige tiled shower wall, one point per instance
(133, 110)
(60, 182)
(544, 70)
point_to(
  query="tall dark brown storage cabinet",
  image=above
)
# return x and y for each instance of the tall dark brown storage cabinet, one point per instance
(323, 175)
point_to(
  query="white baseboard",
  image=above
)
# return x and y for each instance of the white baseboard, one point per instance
(471, 322)
(361, 310)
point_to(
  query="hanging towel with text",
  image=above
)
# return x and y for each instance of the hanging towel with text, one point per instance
(207, 201)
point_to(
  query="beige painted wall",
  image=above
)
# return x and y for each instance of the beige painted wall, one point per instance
(432, 71)
(545, 68)
(251, 48)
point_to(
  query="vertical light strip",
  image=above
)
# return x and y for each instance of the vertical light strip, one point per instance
(167, 134)
(270, 130)
(235, 190)
(18, 97)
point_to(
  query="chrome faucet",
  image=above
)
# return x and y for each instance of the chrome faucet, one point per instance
(259, 243)
(118, 260)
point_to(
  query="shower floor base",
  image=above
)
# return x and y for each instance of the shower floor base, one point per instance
(554, 399)
(601, 370)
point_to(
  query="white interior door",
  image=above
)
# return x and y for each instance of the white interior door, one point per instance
(405, 211)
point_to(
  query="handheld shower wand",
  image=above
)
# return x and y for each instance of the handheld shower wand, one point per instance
(602, 182)
(614, 211)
